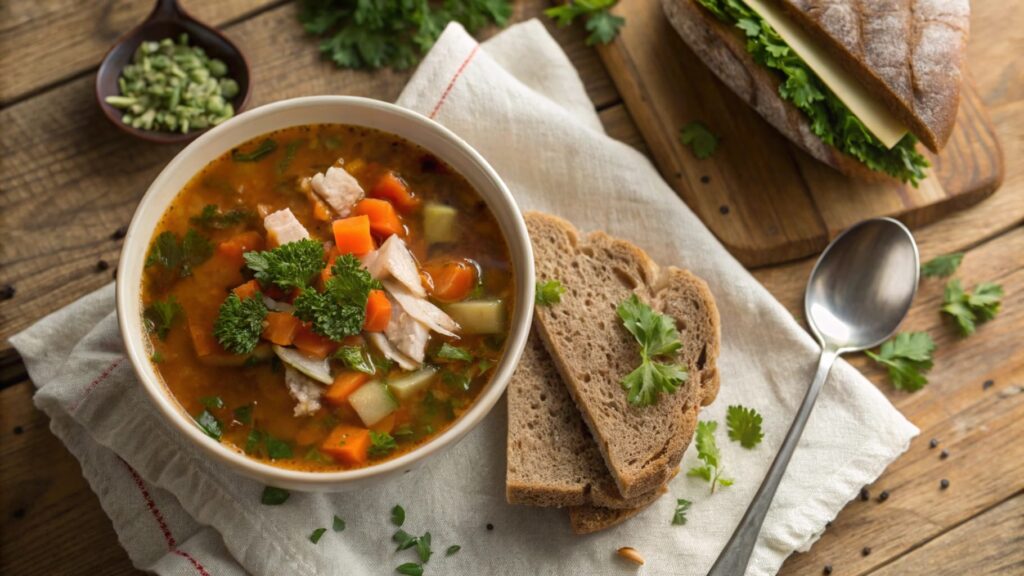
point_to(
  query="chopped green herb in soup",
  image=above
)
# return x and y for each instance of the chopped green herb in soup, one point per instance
(325, 297)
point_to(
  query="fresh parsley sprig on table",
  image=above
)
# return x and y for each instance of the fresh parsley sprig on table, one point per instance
(290, 265)
(391, 34)
(658, 337)
(699, 138)
(942, 266)
(707, 452)
(601, 23)
(907, 357)
(969, 309)
(744, 426)
(682, 506)
(340, 310)
(548, 293)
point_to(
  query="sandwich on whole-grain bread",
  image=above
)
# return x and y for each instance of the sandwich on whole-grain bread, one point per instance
(575, 440)
(855, 84)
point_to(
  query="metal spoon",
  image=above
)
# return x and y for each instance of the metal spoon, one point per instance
(857, 295)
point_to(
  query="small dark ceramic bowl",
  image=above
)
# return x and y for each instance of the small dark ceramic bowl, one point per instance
(168, 20)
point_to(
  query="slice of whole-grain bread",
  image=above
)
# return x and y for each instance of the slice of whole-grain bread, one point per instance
(589, 519)
(641, 446)
(552, 459)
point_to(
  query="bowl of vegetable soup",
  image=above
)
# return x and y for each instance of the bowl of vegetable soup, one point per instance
(324, 291)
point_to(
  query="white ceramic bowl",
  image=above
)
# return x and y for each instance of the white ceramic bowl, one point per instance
(319, 110)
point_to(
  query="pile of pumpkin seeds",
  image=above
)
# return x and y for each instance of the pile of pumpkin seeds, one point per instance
(173, 87)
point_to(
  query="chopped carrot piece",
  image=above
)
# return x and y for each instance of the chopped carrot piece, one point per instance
(384, 221)
(348, 445)
(378, 311)
(281, 328)
(451, 281)
(385, 425)
(352, 235)
(247, 290)
(203, 340)
(312, 344)
(344, 384)
(391, 187)
(239, 244)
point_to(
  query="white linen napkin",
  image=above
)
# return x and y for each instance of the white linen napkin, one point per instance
(518, 101)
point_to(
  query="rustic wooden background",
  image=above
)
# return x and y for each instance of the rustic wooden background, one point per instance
(68, 180)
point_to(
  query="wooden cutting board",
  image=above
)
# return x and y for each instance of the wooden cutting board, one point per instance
(765, 199)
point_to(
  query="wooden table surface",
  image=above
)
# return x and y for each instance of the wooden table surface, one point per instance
(68, 180)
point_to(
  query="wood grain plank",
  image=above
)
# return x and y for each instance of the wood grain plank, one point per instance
(50, 520)
(987, 545)
(64, 38)
(62, 162)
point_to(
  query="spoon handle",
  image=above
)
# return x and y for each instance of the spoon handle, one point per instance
(734, 558)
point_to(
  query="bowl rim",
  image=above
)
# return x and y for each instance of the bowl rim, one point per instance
(132, 335)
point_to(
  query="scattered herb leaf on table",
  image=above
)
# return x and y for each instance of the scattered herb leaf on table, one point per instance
(907, 356)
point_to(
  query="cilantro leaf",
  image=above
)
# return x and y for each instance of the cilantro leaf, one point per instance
(423, 547)
(209, 424)
(243, 414)
(404, 540)
(356, 358)
(338, 524)
(391, 34)
(969, 309)
(212, 217)
(744, 426)
(290, 265)
(340, 310)
(454, 353)
(452, 549)
(699, 138)
(273, 496)
(942, 266)
(600, 22)
(277, 449)
(679, 517)
(398, 515)
(317, 535)
(657, 336)
(548, 293)
(160, 316)
(180, 257)
(829, 118)
(907, 357)
(381, 444)
(707, 452)
(410, 569)
(240, 323)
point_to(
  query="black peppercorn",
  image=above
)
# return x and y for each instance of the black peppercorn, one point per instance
(827, 569)
(866, 550)
(944, 454)
(987, 384)
(723, 209)
(119, 233)
(883, 496)
(705, 179)
(865, 494)
(102, 265)
(7, 292)
(18, 429)
(933, 443)
(490, 526)
(944, 484)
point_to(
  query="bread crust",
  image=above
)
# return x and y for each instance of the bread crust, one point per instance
(593, 365)
(724, 52)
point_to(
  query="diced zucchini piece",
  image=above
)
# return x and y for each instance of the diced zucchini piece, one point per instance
(478, 316)
(319, 370)
(439, 223)
(372, 402)
(408, 385)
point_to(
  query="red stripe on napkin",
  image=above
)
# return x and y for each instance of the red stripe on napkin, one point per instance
(451, 83)
(92, 385)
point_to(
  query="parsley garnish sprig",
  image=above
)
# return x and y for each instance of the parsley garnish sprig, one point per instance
(290, 265)
(707, 452)
(942, 266)
(907, 357)
(699, 138)
(969, 309)
(601, 23)
(744, 426)
(340, 310)
(240, 323)
(548, 293)
(658, 337)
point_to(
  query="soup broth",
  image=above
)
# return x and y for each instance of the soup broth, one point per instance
(326, 297)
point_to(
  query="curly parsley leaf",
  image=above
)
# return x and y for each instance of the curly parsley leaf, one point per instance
(829, 118)
(548, 293)
(340, 310)
(381, 444)
(356, 358)
(682, 505)
(907, 357)
(969, 309)
(600, 22)
(453, 353)
(179, 256)
(942, 266)
(240, 323)
(290, 265)
(699, 138)
(707, 452)
(744, 426)
(273, 496)
(391, 34)
(657, 336)
(213, 217)
(160, 316)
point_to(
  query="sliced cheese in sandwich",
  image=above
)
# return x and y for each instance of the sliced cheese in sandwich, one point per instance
(869, 109)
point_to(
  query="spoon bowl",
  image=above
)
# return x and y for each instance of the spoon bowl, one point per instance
(862, 286)
(168, 20)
